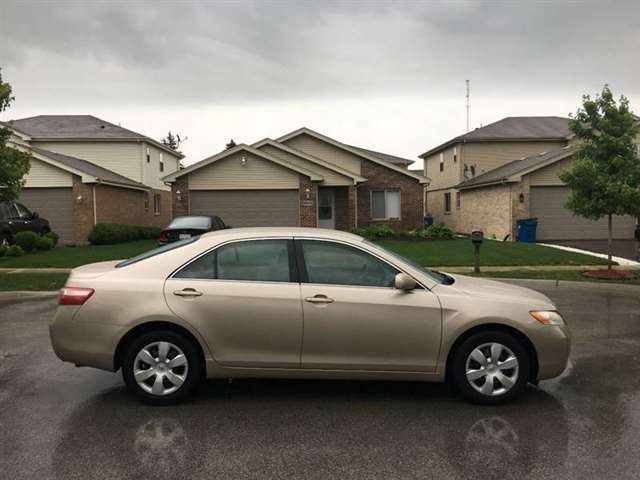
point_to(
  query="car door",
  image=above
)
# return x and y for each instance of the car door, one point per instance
(244, 298)
(354, 318)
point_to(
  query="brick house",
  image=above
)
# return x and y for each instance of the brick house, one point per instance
(509, 170)
(303, 178)
(85, 170)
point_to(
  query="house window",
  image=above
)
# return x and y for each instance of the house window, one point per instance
(442, 161)
(146, 201)
(457, 200)
(447, 202)
(156, 204)
(385, 204)
(455, 154)
(148, 155)
(161, 163)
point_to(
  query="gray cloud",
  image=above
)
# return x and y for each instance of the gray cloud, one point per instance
(243, 51)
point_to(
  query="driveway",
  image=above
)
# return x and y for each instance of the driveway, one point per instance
(620, 248)
(62, 422)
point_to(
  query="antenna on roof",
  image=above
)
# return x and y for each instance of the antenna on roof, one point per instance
(467, 82)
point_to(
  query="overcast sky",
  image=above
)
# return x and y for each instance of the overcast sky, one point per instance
(386, 76)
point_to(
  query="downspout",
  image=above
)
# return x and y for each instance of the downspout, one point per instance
(95, 209)
(355, 203)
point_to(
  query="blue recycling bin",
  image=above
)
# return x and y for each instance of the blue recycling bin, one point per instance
(428, 221)
(526, 230)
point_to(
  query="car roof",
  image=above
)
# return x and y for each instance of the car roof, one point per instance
(254, 232)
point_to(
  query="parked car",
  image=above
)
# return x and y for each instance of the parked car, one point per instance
(15, 218)
(187, 227)
(231, 303)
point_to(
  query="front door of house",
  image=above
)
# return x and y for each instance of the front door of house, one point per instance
(326, 208)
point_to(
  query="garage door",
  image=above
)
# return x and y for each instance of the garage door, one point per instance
(54, 204)
(555, 222)
(248, 208)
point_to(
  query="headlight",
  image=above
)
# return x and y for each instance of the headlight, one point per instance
(548, 317)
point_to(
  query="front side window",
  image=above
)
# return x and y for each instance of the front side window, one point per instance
(447, 202)
(385, 204)
(250, 261)
(329, 263)
(23, 211)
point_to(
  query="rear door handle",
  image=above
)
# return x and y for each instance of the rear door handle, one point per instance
(188, 292)
(319, 299)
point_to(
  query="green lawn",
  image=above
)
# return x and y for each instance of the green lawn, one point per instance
(459, 252)
(31, 281)
(566, 275)
(69, 257)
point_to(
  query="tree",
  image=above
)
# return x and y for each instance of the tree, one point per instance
(14, 164)
(604, 177)
(231, 144)
(173, 141)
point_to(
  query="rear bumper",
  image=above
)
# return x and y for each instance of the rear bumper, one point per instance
(82, 342)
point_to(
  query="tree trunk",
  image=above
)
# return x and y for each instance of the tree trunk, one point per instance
(610, 234)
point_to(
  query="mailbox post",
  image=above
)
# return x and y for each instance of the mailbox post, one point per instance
(476, 239)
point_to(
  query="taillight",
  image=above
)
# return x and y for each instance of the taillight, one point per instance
(163, 236)
(74, 295)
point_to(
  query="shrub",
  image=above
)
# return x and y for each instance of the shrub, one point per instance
(44, 243)
(53, 236)
(3, 250)
(440, 231)
(27, 240)
(14, 251)
(377, 231)
(110, 233)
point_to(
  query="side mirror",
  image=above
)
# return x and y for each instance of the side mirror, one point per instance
(405, 282)
(35, 215)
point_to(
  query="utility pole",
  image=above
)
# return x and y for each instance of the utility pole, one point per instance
(467, 82)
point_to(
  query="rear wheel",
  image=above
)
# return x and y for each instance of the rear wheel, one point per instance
(162, 367)
(490, 367)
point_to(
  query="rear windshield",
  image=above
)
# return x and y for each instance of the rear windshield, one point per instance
(157, 251)
(190, 222)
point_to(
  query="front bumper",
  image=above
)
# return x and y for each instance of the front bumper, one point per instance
(83, 342)
(553, 346)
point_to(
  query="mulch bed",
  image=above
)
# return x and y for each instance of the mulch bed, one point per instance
(610, 274)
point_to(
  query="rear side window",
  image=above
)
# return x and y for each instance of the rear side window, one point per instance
(190, 222)
(251, 261)
(157, 251)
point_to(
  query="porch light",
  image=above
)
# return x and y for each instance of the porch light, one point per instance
(243, 161)
(307, 193)
(521, 198)
(178, 195)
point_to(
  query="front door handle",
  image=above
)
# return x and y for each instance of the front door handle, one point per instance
(188, 292)
(319, 299)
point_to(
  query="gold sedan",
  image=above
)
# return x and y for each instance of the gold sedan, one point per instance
(302, 303)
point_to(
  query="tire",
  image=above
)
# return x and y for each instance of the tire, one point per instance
(492, 382)
(162, 384)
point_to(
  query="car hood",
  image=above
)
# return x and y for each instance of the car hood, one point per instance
(500, 291)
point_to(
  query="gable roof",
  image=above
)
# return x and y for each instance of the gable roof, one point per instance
(385, 156)
(78, 128)
(239, 148)
(85, 169)
(512, 171)
(512, 129)
(354, 150)
(310, 158)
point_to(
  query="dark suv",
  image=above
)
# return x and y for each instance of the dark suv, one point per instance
(15, 217)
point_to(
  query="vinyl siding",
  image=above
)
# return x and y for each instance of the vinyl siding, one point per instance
(549, 175)
(42, 174)
(489, 155)
(325, 151)
(121, 157)
(331, 178)
(230, 174)
(151, 174)
(451, 175)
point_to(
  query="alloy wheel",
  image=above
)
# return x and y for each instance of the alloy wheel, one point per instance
(492, 369)
(160, 368)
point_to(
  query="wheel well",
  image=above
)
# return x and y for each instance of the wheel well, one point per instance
(130, 336)
(531, 351)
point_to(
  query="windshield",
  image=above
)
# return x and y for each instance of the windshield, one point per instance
(435, 275)
(190, 222)
(157, 251)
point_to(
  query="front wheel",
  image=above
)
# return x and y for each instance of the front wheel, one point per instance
(162, 367)
(490, 367)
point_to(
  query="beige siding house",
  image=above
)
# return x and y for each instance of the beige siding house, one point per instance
(85, 170)
(492, 177)
(303, 178)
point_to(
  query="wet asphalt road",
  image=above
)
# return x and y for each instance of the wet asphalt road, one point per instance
(62, 422)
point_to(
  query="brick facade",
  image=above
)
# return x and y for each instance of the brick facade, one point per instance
(487, 209)
(127, 206)
(381, 178)
(83, 220)
(308, 206)
(180, 201)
